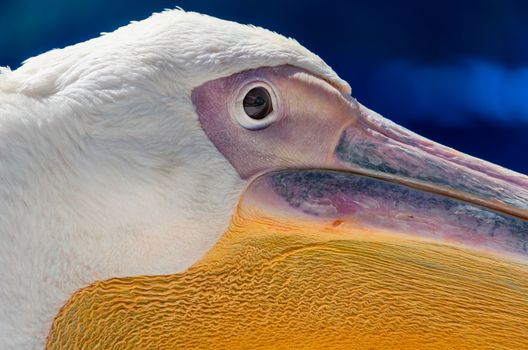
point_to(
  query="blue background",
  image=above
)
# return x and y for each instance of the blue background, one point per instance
(456, 72)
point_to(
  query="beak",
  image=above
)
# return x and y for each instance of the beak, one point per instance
(380, 176)
(376, 147)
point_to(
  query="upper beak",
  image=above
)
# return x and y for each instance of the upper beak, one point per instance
(374, 146)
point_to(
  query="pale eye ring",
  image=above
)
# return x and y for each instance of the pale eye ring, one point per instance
(256, 106)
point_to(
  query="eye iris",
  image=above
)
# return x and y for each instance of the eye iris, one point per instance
(257, 103)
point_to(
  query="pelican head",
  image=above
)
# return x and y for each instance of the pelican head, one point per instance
(191, 182)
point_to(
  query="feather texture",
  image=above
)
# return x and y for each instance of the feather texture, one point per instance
(105, 171)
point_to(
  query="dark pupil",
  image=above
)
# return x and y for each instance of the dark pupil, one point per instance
(257, 103)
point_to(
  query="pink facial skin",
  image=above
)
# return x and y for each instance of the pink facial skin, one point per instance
(311, 117)
(318, 126)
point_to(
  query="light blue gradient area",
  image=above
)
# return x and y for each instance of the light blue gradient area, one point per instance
(450, 92)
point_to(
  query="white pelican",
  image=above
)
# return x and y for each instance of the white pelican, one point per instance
(123, 159)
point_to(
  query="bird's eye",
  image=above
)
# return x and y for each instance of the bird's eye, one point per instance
(257, 103)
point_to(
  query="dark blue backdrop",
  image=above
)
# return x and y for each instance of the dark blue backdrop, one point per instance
(456, 72)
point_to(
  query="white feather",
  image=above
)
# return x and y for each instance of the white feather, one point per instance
(105, 171)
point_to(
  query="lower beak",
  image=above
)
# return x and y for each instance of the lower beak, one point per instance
(366, 207)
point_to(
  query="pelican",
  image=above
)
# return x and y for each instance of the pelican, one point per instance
(188, 182)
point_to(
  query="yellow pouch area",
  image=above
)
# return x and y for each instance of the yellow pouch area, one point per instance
(289, 284)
